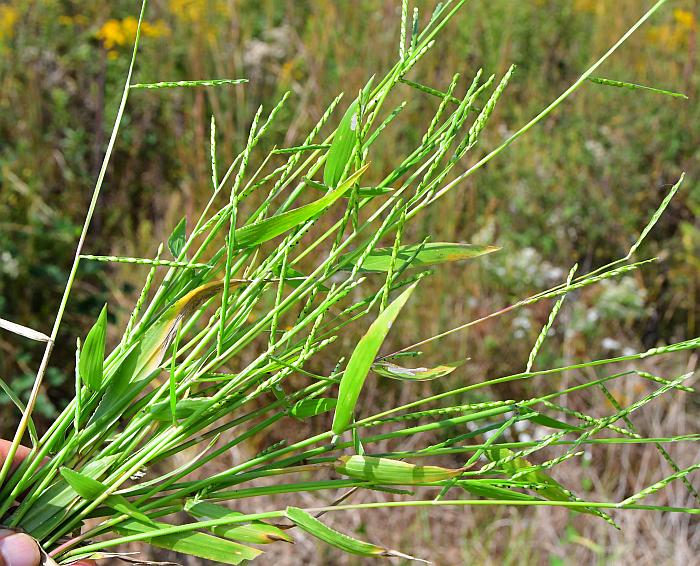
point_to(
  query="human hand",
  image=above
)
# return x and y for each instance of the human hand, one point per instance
(17, 548)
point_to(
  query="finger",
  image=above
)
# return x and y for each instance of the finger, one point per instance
(18, 549)
(84, 563)
(21, 454)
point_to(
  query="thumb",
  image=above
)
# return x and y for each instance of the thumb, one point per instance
(18, 549)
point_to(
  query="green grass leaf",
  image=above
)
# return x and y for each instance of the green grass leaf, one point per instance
(330, 536)
(386, 470)
(293, 277)
(374, 191)
(93, 353)
(196, 544)
(121, 505)
(270, 228)
(362, 359)
(307, 408)
(177, 239)
(544, 420)
(431, 254)
(56, 499)
(85, 486)
(256, 532)
(115, 399)
(337, 539)
(555, 491)
(341, 149)
(18, 403)
(161, 410)
(361, 191)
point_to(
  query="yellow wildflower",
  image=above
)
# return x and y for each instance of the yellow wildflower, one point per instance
(129, 26)
(117, 33)
(111, 34)
(8, 18)
(684, 18)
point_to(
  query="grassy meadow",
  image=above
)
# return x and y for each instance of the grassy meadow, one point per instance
(576, 189)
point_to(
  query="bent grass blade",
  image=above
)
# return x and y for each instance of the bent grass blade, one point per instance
(361, 361)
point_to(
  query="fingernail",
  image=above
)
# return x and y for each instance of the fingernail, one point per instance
(19, 550)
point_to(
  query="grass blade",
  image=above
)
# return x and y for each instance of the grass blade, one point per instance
(18, 403)
(553, 491)
(196, 544)
(341, 149)
(270, 228)
(176, 241)
(256, 532)
(307, 408)
(85, 486)
(393, 371)
(314, 527)
(160, 336)
(93, 353)
(379, 259)
(57, 499)
(361, 361)
(23, 331)
(386, 470)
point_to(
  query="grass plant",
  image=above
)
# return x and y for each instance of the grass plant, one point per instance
(218, 350)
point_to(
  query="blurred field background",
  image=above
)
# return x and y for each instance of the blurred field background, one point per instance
(579, 189)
